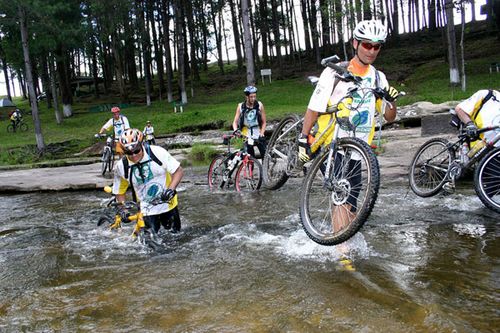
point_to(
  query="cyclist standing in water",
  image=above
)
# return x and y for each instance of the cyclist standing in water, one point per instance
(250, 119)
(153, 174)
(480, 110)
(368, 37)
(119, 123)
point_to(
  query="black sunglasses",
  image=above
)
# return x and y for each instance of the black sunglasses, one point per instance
(135, 152)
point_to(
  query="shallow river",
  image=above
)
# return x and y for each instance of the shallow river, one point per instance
(243, 264)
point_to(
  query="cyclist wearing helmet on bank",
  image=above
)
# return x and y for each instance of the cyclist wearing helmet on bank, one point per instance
(153, 174)
(368, 37)
(250, 121)
(119, 123)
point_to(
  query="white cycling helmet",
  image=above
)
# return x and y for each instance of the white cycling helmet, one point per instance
(372, 30)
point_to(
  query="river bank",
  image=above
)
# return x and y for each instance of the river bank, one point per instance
(399, 147)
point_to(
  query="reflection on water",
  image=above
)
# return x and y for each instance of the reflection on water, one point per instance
(243, 264)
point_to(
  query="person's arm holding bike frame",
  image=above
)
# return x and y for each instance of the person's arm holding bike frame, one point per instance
(470, 127)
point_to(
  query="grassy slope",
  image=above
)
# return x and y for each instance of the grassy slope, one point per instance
(416, 67)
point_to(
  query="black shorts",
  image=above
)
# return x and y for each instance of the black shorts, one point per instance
(169, 220)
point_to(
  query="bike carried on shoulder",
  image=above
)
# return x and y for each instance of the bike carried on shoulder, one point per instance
(221, 173)
(341, 185)
(108, 154)
(439, 163)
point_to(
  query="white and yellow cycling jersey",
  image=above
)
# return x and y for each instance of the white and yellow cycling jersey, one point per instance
(149, 179)
(487, 115)
(364, 102)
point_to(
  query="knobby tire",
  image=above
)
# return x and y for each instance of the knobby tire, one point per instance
(487, 180)
(216, 173)
(430, 167)
(275, 167)
(105, 161)
(321, 206)
(249, 175)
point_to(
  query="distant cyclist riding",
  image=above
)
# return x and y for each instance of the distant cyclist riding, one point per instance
(250, 120)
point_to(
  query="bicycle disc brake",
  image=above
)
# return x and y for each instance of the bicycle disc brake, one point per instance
(340, 192)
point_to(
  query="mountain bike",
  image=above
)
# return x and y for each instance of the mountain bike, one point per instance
(108, 154)
(439, 163)
(248, 176)
(19, 124)
(114, 220)
(341, 186)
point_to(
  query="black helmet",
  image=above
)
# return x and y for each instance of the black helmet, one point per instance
(250, 90)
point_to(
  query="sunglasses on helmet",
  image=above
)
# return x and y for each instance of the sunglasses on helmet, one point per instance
(369, 46)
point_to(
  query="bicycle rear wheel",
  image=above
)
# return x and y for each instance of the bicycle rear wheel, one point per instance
(430, 167)
(487, 180)
(105, 221)
(23, 127)
(105, 161)
(217, 178)
(281, 153)
(11, 128)
(249, 175)
(334, 207)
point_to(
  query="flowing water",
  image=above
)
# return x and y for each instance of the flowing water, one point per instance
(243, 264)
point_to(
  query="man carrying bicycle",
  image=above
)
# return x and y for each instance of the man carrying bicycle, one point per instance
(153, 175)
(119, 123)
(480, 110)
(250, 120)
(330, 91)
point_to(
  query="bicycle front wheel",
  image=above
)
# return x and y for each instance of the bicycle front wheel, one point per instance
(334, 206)
(23, 127)
(281, 153)
(111, 161)
(487, 180)
(217, 177)
(430, 167)
(249, 175)
(105, 161)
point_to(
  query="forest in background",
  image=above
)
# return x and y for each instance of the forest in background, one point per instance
(161, 48)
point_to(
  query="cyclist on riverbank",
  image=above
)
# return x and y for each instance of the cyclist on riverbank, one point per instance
(152, 173)
(149, 133)
(119, 123)
(368, 37)
(250, 120)
(480, 110)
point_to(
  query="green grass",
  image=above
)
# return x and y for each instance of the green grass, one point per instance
(421, 72)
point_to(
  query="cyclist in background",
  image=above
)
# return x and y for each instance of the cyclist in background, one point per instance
(368, 37)
(152, 173)
(149, 133)
(119, 123)
(480, 110)
(15, 117)
(250, 120)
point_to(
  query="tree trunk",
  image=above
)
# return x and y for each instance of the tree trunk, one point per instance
(6, 75)
(46, 81)
(314, 30)
(52, 73)
(305, 23)
(146, 51)
(462, 52)
(40, 144)
(236, 33)
(325, 26)
(165, 18)
(247, 42)
(180, 50)
(264, 28)
(452, 47)
(276, 32)
(195, 73)
(64, 80)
